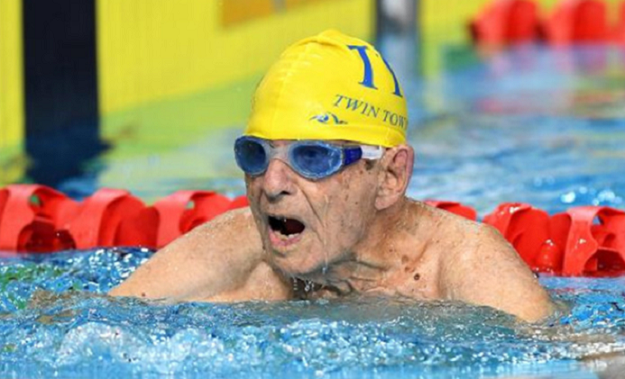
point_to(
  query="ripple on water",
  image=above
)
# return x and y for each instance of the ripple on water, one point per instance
(58, 320)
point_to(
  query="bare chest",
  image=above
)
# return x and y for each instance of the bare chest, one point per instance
(410, 278)
(414, 279)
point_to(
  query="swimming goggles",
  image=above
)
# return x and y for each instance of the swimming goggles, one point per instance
(313, 160)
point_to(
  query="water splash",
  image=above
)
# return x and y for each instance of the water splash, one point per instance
(59, 320)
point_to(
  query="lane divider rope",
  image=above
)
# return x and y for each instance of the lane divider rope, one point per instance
(585, 240)
(504, 22)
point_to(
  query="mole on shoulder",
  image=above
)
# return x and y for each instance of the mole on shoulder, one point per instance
(417, 276)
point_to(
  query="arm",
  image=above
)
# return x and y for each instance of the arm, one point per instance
(493, 274)
(220, 260)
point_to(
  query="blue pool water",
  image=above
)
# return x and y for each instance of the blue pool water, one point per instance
(55, 319)
(533, 125)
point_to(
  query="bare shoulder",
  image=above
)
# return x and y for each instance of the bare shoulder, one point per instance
(213, 258)
(486, 270)
(484, 244)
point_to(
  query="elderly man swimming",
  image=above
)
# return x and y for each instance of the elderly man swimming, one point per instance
(326, 168)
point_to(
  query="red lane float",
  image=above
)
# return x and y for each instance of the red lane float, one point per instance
(184, 210)
(29, 215)
(594, 239)
(36, 218)
(97, 220)
(582, 21)
(586, 240)
(619, 32)
(527, 229)
(504, 22)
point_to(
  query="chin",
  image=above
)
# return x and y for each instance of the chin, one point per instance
(297, 263)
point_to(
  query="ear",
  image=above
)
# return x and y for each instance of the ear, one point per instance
(394, 175)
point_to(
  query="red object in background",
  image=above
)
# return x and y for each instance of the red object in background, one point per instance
(591, 22)
(205, 208)
(96, 221)
(574, 21)
(583, 241)
(36, 218)
(505, 22)
(454, 207)
(239, 202)
(527, 229)
(549, 257)
(619, 31)
(594, 238)
(139, 230)
(182, 211)
(28, 215)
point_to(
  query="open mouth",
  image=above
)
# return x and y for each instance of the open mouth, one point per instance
(287, 227)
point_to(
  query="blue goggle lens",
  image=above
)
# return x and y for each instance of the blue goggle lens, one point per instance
(311, 159)
(315, 161)
(251, 156)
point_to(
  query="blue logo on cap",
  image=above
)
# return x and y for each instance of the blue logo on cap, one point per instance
(328, 118)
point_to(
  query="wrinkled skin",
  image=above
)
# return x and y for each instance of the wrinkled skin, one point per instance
(335, 211)
(361, 234)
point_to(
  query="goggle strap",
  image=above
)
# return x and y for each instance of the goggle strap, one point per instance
(372, 152)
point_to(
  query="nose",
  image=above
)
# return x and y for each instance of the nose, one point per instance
(278, 180)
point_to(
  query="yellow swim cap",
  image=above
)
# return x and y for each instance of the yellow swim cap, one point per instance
(330, 87)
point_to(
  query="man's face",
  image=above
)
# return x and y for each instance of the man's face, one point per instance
(307, 225)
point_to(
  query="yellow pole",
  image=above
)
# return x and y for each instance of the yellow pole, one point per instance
(11, 91)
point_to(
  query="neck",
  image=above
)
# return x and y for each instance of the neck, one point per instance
(379, 255)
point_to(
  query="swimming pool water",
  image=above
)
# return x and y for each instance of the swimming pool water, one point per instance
(530, 124)
(534, 125)
(55, 319)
